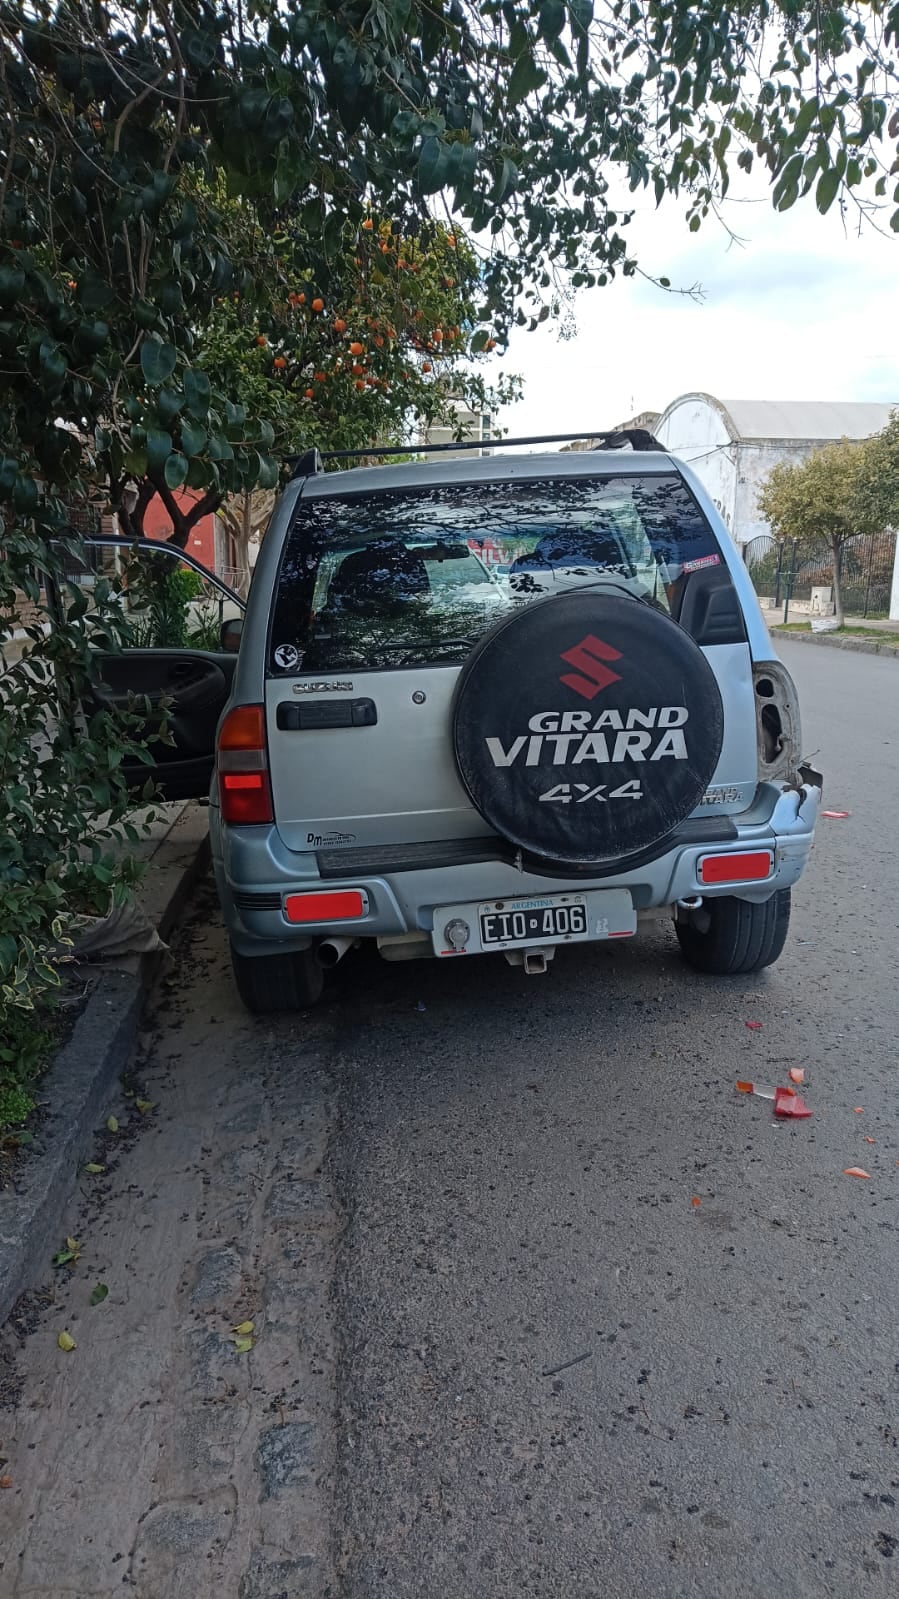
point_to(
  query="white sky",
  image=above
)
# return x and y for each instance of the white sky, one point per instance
(805, 309)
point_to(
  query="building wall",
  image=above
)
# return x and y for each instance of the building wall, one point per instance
(754, 462)
(201, 542)
(472, 424)
(694, 429)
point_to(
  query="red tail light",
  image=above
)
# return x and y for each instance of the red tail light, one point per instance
(331, 906)
(736, 868)
(242, 760)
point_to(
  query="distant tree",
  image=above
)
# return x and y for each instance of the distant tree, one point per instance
(878, 483)
(821, 498)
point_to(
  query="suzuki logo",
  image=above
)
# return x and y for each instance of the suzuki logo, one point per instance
(591, 675)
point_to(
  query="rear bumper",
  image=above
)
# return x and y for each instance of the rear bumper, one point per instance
(255, 872)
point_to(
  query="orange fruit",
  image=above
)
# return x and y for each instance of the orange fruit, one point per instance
(339, 325)
(359, 384)
(490, 345)
(379, 342)
(320, 377)
(309, 394)
(318, 303)
(437, 335)
(357, 370)
(426, 366)
(451, 240)
(262, 341)
(301, 299)
(385, 249)
(367, 225)
(356, 348)
(279, 362)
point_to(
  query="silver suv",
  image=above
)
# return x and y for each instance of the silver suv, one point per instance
(449, 761)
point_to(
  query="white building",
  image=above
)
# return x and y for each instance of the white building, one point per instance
(470, 424)
(733, 444)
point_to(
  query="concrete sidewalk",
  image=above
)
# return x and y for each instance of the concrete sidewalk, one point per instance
(81, 1081)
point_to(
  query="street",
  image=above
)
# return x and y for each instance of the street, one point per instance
(541, 1306)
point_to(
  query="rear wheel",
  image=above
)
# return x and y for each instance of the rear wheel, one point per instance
(730, 937)
(269, 983)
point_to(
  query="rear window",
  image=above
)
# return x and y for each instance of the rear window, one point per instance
(414, 577)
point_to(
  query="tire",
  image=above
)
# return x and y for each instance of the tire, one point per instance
(564, 736)
(268, 983)
(730, 937)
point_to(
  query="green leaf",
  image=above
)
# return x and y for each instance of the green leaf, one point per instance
(267, 477)
(168, 404)
(157, 361)
(94, 1168)
(431, 163)
(526, 77)
(551, 16)
(827, 190)
(193, 438)
(159, 448)
(176, 470)
(100, 1293)
(197, 393)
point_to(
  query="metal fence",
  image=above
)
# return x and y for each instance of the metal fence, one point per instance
(787, 571)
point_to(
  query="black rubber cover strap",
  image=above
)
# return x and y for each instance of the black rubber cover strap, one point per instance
(586, 727)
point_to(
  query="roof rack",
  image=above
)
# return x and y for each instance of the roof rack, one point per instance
(312, 461)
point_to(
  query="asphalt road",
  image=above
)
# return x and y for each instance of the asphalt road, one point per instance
(518, 1165)
(500, 1351)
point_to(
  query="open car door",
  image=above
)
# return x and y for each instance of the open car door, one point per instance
(184, 627)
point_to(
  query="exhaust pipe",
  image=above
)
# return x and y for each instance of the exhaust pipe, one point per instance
(332, 950)
(691, 902)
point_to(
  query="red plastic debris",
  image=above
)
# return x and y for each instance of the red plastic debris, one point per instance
(869, 1140)
(796, 1074)
(837, 816)
(754, 1027)
(858, 1110)
(786, 1103)
(856, 1171)
(696, 1201)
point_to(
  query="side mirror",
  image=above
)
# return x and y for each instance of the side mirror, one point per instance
(229, 634)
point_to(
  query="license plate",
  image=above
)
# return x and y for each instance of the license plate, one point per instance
(549, 919)
(522, 925)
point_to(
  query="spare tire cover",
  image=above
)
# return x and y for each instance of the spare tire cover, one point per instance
(586, 727)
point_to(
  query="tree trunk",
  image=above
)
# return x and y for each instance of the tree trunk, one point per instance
(836, 546)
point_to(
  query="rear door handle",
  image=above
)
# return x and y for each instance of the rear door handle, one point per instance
(326, 713)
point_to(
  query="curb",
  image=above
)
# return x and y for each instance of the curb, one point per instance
(861, 646)
(79, 1082)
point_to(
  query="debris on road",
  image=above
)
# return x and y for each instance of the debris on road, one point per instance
(868, 1140)
(696, 1201)
(754, 1027)
(837, 816)
(100, 1293)
(66, 1342)
(789, 1103)
(553, 1371)
(796, 1074)
(855, 1171)
(786, 1100)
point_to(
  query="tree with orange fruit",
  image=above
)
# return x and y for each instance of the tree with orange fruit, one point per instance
(342, 354)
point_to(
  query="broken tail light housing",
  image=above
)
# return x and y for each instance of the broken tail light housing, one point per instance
(752, 867)
(245, 793)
